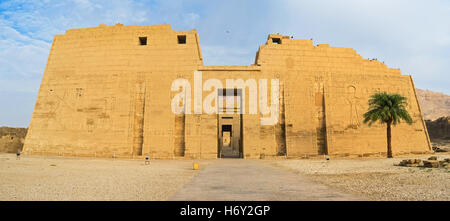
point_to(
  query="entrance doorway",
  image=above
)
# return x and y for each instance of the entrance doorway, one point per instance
(230, 143)
(229, 120)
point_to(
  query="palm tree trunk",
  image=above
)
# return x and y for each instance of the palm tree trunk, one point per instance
(389, 147)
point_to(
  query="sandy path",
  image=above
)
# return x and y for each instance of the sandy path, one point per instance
(238, 179)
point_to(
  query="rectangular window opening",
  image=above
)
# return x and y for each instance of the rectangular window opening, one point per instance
(143, 40)
(276, 40)
(181, 39)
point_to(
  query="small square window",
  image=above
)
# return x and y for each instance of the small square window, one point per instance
(143, 40)
(276, 40)
(181, 39)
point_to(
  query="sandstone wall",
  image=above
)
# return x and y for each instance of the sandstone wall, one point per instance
(105, 94)
(327, 91)
(98, 85)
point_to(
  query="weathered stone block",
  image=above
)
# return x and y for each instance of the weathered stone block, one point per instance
(432, 158)
(431, 163)
(412, 165)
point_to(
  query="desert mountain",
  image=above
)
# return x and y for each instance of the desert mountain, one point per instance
(433, 104)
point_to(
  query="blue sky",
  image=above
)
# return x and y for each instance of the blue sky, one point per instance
(411, 35)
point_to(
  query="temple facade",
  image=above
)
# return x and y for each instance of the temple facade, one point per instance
(131, 91)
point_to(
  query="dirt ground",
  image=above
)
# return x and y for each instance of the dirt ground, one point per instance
(377, 178)
(65, 178)
(71, 178)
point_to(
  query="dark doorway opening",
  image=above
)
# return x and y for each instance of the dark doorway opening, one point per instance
(229, 123)
(227, 128)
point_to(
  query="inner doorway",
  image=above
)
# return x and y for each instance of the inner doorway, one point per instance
(229, 120)
(227, 145)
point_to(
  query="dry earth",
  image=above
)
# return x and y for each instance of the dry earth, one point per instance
(376, 178)
(65, 178)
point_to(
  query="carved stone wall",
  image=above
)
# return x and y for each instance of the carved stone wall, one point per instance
(105, 93)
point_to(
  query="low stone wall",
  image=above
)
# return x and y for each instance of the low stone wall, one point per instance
(439, 129)
(12, 139)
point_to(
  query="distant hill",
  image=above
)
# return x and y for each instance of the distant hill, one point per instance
(433, 104)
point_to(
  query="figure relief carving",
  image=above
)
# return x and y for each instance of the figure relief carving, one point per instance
(108, 108)
(90, 124)
(353, 103)
(79, 92)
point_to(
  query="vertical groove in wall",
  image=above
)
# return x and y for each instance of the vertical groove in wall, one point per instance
(138, 126)
(420, 111)
(179, 143)
(324, 124)
(280, 128)
(219, 138)
(241, 136)
(321, 131)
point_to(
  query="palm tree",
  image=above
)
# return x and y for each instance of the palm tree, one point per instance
(389, 109)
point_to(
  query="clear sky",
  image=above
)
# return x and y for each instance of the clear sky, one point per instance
(413, 35)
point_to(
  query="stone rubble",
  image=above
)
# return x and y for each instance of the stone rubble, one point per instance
(432, 162)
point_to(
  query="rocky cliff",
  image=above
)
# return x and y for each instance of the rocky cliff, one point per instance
(433, 104)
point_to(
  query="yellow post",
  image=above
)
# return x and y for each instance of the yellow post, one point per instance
(195, 166)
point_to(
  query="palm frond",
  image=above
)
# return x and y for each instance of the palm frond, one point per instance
(384, 107)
